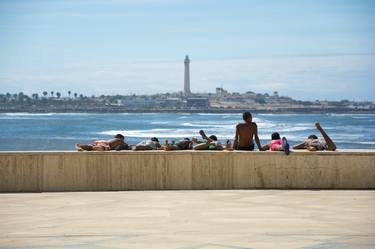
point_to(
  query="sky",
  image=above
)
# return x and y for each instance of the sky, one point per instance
(305, 49)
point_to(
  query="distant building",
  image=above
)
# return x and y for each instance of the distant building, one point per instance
(220, 92)
(187, 76)
(197, 102)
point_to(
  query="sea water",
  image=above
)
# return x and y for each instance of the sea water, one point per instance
(60, 131)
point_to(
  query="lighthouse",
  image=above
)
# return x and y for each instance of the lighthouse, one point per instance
(187, 76)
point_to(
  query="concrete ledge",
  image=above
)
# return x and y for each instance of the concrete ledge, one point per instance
(159, 170)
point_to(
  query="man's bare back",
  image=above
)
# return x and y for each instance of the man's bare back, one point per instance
(246, 133)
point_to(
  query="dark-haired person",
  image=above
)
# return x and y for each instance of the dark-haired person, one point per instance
(277, 144)
(151, 144)
(312, 143)
(246, 133)
(184, 144)
(208, 143)
(103, 145)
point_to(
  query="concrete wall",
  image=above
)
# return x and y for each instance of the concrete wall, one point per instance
(156, 170)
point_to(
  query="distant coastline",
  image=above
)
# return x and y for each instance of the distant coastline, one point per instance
(124, 110)
(221, 101)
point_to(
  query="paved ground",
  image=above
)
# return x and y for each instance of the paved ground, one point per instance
(189, 219)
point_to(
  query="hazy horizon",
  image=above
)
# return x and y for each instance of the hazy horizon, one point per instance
(303, 49)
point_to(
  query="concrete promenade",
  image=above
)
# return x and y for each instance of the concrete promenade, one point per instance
(230, 219)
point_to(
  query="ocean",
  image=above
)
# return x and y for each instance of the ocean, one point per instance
(60, 131)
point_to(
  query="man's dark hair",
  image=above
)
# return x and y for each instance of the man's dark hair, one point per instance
(155, 139)
(187, 139)
(246, 115)
(312, 137)
(275, 136)
(119, 136)
(213, 137)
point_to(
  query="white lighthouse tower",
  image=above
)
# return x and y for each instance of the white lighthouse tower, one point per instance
(187, 76)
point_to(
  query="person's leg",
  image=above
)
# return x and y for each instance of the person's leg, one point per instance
(330, 144)
(142, 147)
(266, 147)
(84, 147)
(202, 146)
(285, 146)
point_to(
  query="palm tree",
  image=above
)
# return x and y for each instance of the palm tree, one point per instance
(58, 95)
(45, 93)
(75, 95)
(69, 92)
(52, 92)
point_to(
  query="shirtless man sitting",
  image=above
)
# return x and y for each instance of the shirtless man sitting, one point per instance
(246, 133)
(312, 143)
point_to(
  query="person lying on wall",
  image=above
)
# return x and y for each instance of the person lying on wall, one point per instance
(149, 144)
(205, 143)
(313, 143)
(116, 143)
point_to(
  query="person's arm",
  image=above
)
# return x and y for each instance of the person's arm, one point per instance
(235, 142)
(257, 141)
(195, 140)
(266, 147)
(300, 146)
(330, 144)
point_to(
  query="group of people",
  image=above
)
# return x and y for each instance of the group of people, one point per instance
(246, 134)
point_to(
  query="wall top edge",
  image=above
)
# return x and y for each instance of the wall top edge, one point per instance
(367, 152)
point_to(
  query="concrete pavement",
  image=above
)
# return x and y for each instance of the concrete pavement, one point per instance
(231, 219)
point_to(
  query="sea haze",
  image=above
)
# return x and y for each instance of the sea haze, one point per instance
(53, 131)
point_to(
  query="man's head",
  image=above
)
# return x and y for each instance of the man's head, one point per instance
(213, 137)
(155, 139)
(275, 136)
(247, 117)
(312, 137)
(119, 136)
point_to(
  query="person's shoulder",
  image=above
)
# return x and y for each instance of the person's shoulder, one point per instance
(239, 125)
(254, 124)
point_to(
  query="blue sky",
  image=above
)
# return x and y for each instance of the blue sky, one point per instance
(307, 49)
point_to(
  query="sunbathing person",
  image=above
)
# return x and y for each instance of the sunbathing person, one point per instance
(208, 143)
(151, 144)
(277, 144)
(103, 145)
(245, 133)
(185, 144)
(312, 143)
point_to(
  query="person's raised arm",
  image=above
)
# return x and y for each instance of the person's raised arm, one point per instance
(257, 141)
(330, 144)
(235, 142)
